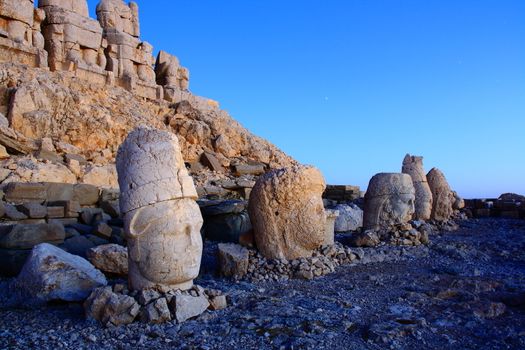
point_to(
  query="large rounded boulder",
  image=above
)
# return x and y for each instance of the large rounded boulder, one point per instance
(287, 213)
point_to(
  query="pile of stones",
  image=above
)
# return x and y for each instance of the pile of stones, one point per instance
(322, 262)
(116, 305)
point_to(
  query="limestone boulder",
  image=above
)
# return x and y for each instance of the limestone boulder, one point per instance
(350, 218)
(413, 166)
(53, 274)
(233, 260)
(389, 201)
(187, 306)
(287, 212)
(442, 208)
(109, 258)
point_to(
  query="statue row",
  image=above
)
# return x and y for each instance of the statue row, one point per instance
(163, 221)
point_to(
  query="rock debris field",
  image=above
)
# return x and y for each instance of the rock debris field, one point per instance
(466, 289)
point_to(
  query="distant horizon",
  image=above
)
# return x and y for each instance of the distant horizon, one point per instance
(351, 86)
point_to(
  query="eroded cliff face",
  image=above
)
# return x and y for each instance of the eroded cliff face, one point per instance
(58, 105)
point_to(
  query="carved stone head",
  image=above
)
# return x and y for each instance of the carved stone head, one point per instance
(162, 221)
(389, 201)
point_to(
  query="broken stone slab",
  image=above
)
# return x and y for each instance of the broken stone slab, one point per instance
(57, 191)
(15, 146)
(87, 215)
(111, 308)
(71, 208)
(233, 260)
(209, 160)
(53, 274)
(86, 194)
(33, 210)
(27, 236)
(186, 306)
(218, 302)
(12, 213)
(109, 258)
(342, 193)
(249, 169)
(55, 212)
(20, 192)
(156, 312)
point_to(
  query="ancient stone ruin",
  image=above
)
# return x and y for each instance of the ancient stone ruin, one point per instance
(444, 199)
(162, 221)
(21, 38)
(287, 212)
(389, 201)
(413, 166)
(108, 51)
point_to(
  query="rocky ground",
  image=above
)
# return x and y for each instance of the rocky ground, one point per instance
(466, 289)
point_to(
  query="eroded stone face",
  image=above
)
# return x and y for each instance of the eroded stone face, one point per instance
(287, 212)
(389, 201)
(413, 166)
(444, 199)
(164, 244)
(162, 221)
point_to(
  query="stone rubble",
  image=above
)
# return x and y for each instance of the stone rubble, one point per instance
(116, 306)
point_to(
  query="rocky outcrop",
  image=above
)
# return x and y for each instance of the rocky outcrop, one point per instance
(287, 212)
(389, 201)
(442, 209)
(413, 166)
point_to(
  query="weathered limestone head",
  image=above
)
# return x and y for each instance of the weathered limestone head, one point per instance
(442, 209)
(413, 166)
(287, 212)
(116, 14)
(389, 201)
(162, 221)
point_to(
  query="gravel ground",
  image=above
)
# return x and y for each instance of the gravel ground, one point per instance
(466, 290)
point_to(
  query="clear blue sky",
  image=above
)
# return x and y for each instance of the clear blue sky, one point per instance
(351, 86)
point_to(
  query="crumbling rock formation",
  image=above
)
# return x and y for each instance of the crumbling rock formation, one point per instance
(171, 75)
(20, 36)
(162, 221)
(444, 199)
(389, 201)
(413, 166)
(72, 39)
(287, 213)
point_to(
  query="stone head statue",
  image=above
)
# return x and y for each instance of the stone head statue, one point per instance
(287, 212)
(389, 201)
(162, 221)
(442, 208)
(413, 166)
